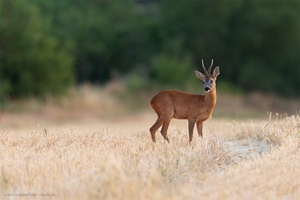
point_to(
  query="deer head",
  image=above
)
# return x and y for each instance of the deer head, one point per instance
(208, 79)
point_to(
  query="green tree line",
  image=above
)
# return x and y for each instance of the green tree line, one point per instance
(46, 46)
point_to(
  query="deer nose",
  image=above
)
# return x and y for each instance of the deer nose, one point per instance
(206, 89)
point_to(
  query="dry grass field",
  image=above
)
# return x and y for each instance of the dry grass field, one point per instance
(67, 153)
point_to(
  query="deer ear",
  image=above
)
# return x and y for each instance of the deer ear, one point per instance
(216, 72)
(199, 75)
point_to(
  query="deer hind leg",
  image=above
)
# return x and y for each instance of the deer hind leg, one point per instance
(191, 128)
(156, 126)
(199, 128)
(164, 129)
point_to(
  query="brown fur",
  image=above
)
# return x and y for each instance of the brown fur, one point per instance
(195, 108)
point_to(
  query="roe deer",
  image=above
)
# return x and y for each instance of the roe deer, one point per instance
(195, 108)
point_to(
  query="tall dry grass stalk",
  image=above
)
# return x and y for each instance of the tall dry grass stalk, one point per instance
(105, 164)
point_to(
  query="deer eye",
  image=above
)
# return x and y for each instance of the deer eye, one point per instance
(211, 81)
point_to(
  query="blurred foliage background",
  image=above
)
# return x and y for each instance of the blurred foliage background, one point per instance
(47, 46)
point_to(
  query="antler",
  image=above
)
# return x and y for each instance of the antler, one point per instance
(211, 64)
(205, 71)
(209, 69)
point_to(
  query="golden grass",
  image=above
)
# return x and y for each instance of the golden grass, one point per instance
(87, 146)
(117, 160)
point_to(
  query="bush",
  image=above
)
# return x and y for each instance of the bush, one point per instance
(172, 70)
(33, 63)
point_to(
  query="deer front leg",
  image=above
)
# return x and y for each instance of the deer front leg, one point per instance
(191, 128)
(199, 128)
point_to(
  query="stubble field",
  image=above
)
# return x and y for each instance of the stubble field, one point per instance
(91, 157)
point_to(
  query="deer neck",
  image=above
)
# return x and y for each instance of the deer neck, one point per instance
(210, 100)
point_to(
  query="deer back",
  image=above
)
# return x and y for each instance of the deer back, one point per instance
(181, 104)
